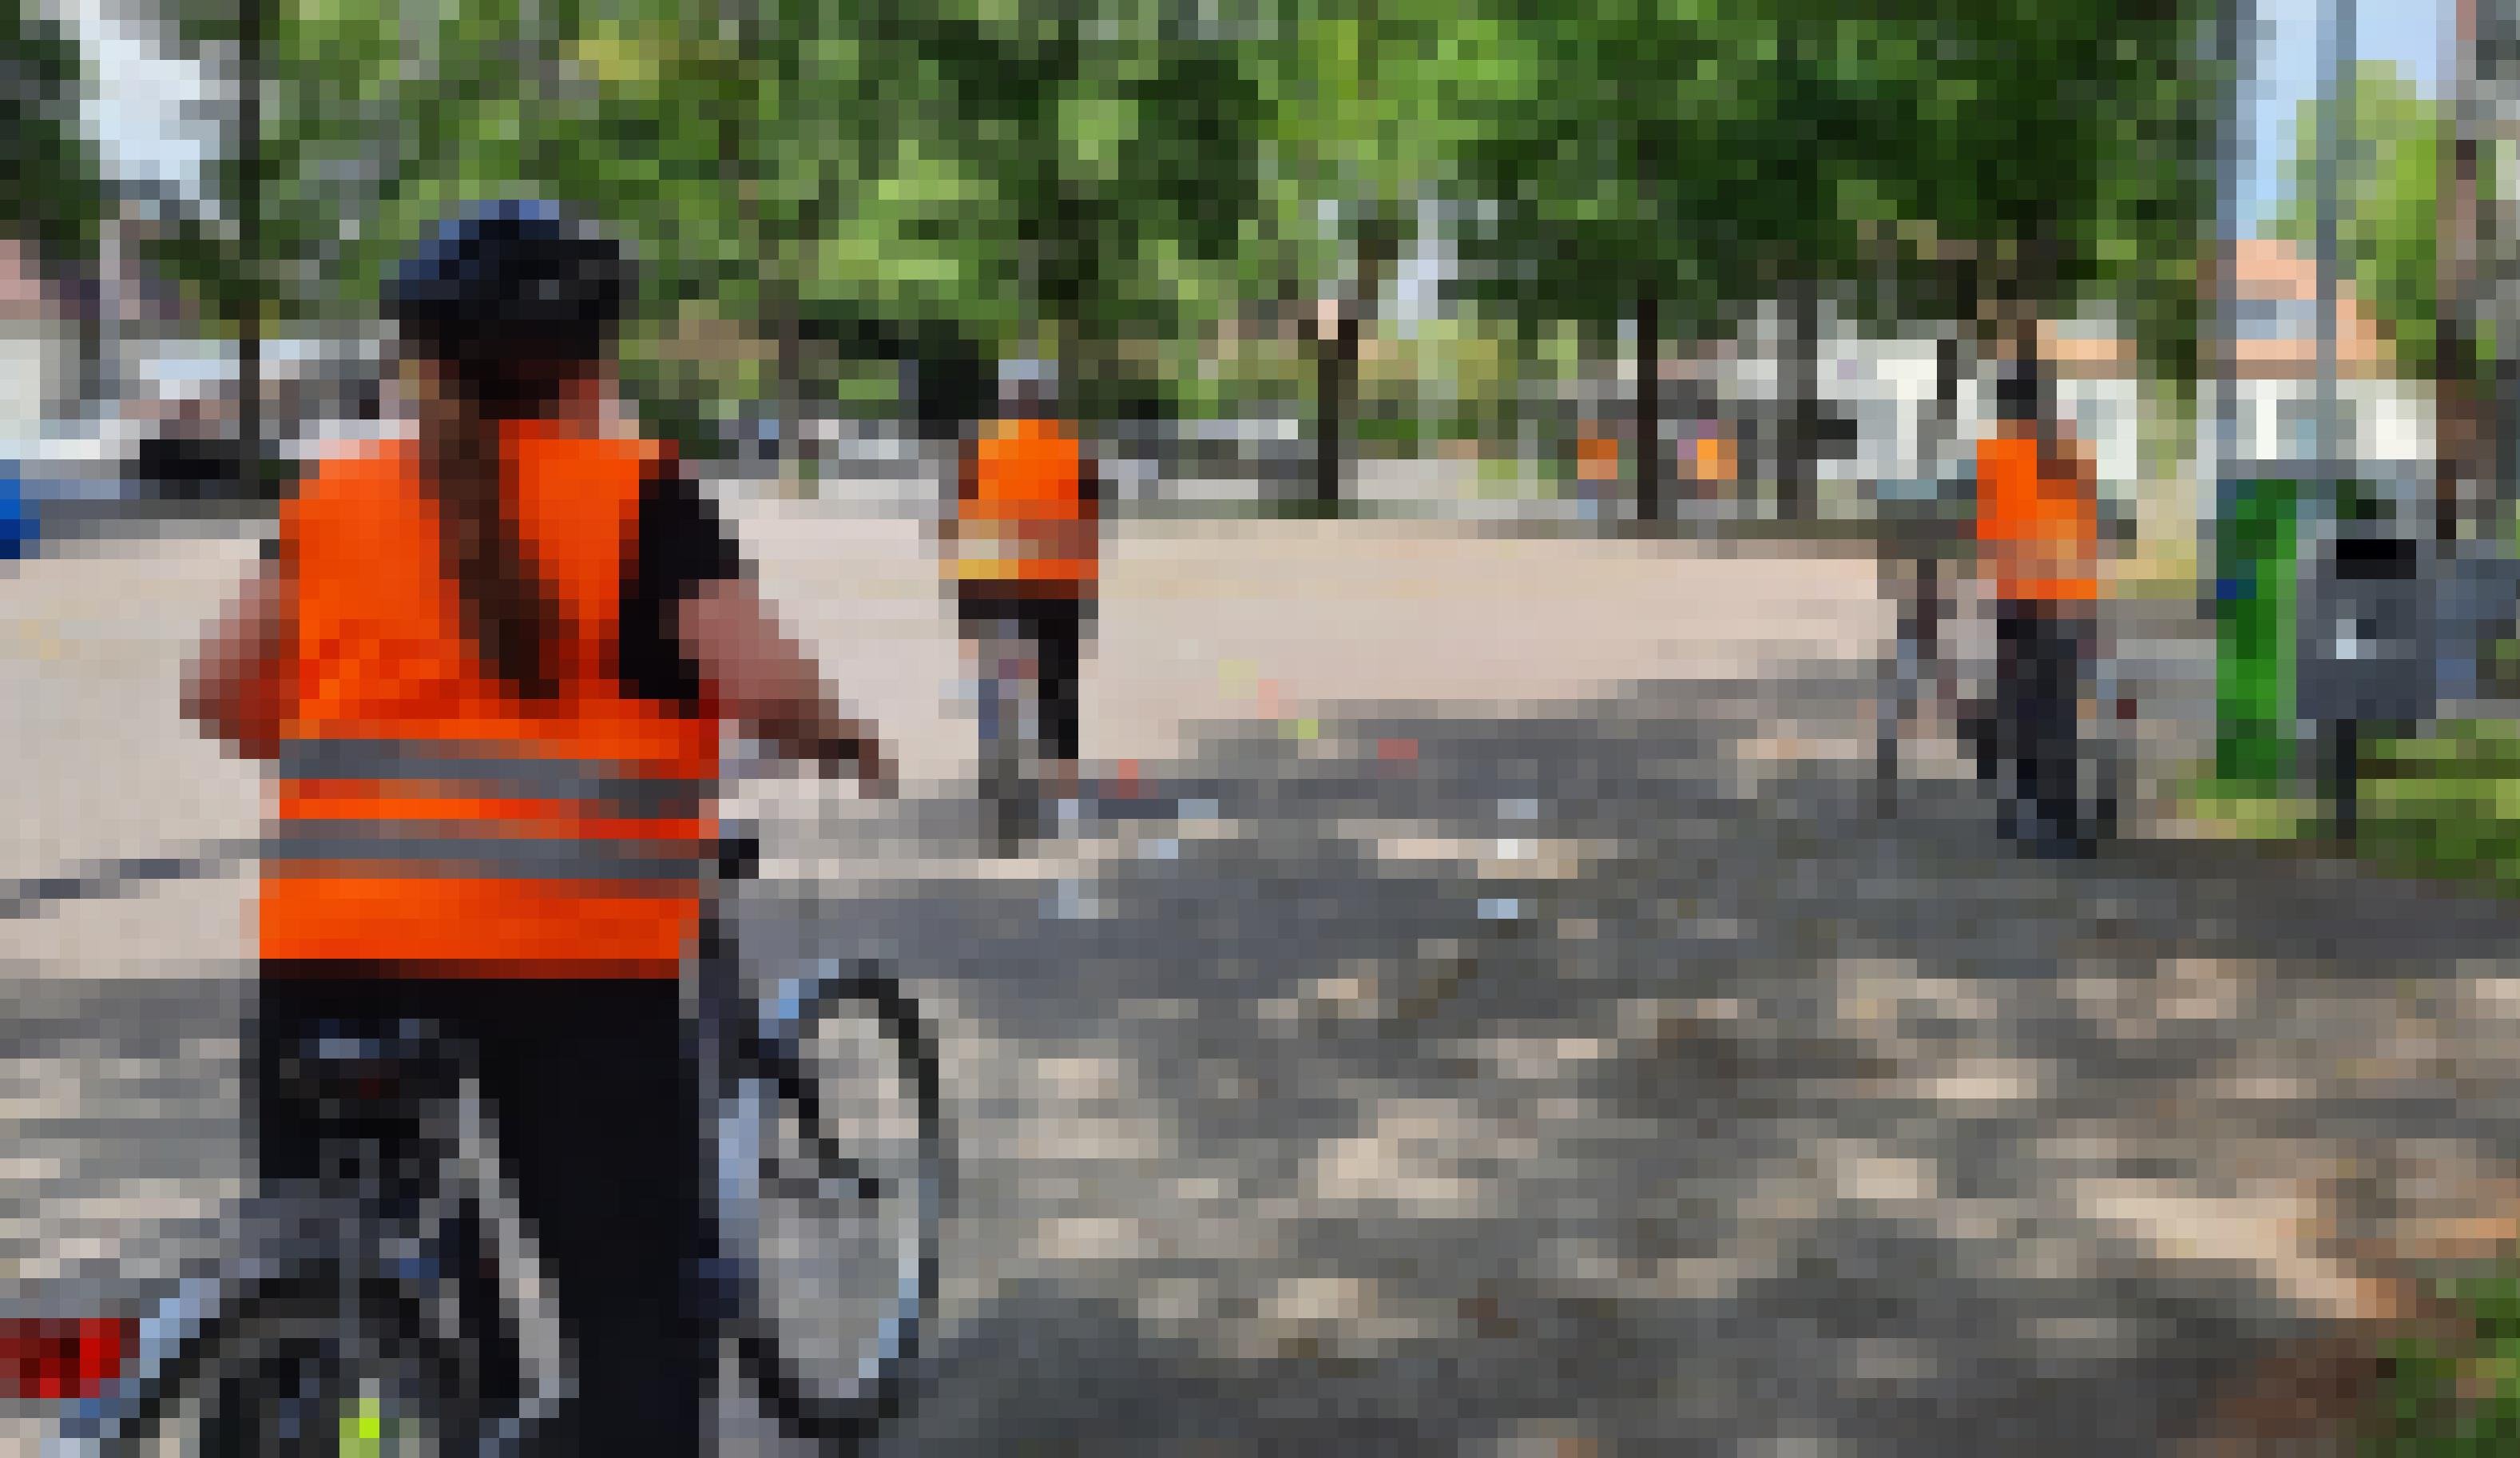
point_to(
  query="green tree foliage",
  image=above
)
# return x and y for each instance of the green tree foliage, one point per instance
(1076, 174)
(2388, 205)
(1353, 140)
(1716, 151)
(1677, 161)
(1079, 174)
(48, 174)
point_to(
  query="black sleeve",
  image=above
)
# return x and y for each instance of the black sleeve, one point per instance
(681, 544)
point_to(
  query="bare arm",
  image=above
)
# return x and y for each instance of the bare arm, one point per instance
(766, 684)
(233, 686)
(949, 519)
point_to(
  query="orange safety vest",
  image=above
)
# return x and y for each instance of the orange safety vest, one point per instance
(1715, 460)
(2021, 507)
(428, 818)
(1598, 458)
(1023, 474)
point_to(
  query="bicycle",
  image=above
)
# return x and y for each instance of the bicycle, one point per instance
(1919, 548)
(1010, 714)
(295, 1353)
(424, 1328)
(1920, 663)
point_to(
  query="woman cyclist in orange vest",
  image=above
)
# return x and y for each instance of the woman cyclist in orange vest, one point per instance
(490, 666)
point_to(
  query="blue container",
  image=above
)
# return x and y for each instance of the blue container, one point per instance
(17, 534)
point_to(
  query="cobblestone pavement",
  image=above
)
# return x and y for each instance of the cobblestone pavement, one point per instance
(1484, 1016)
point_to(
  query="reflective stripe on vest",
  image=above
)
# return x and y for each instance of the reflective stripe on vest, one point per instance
(484, 772)
(472, 840)
(424, 848)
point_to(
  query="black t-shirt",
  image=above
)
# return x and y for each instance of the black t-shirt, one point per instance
(682, 544)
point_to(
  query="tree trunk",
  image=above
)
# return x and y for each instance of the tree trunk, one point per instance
(94, 345)
(2460, 448)
(1333, 351)
(1649, 413)
(1798, 467)
(1335, 368)
(249, 63)
(790, 393)
(1946, 388)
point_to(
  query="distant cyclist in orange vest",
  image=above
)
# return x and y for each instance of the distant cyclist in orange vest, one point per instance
(1596, 469)
(1024, 547)
(490, 666)
(2038, 532)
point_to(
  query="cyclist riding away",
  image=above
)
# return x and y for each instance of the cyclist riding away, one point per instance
(490, 666)
(1024, 547)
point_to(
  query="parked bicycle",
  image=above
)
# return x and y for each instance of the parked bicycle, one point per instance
(1919, 557)
(1922, 665)
(397, 1308)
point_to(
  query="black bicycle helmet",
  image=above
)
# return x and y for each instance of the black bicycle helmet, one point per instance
(516, 295)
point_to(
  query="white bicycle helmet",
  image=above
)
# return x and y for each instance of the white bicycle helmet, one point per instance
(1028, 381)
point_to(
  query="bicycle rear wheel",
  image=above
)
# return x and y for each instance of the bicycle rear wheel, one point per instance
(1010, 728)
(274, 1375)
(310, 1404)
(833, 1183)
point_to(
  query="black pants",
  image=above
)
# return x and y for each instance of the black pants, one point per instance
(2041, 652)
(1055, 628)
(598, 1122)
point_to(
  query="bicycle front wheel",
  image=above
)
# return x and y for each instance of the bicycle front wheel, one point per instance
(833, 1183)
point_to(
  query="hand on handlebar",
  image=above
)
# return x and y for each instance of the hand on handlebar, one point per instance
(877, 777)
(862, 753)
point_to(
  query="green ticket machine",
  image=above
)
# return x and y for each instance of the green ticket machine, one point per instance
(2256, 550)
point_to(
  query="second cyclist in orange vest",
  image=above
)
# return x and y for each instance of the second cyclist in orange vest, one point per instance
(490, 666)
(1024, 547)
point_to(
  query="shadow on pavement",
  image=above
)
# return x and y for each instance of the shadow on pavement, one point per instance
(1612, 1076)
(1600, 1078)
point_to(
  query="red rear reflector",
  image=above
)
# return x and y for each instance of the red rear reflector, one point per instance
(56, 1360)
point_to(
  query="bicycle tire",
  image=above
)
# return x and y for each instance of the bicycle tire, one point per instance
(2109, 793)
(820, 1392)
(1009, 726)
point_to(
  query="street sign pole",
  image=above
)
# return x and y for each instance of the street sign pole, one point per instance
(2238, 32)
(2337, 739)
